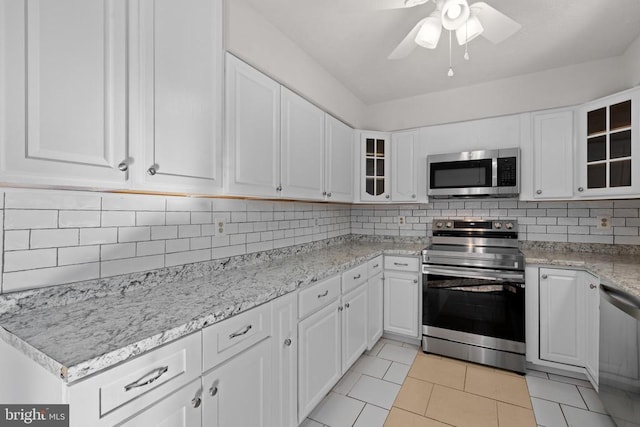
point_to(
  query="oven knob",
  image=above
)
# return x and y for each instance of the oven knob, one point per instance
(497, 225)
(439, 225)
(509, 225)
(449, 225)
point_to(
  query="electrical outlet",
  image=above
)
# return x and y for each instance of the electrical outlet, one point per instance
(402, 220)
(604, 222)
(220, 226)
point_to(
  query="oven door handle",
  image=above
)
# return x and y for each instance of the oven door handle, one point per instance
(497, 276)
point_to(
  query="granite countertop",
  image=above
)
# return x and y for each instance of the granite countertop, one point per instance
(79, 338)
(621, 271)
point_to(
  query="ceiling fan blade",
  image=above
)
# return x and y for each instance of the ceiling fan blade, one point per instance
(397, 4)
(407, 44)
(497, 26)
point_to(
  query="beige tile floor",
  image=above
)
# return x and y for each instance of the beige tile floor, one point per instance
(397, 385)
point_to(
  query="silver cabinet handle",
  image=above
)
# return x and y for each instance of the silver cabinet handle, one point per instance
(147, 379)
(329, 194)
(279, 188)
(287, 342)
(357, 277)
(580, 189)
(123, 166)
(213, 390)
(340, 308)
(196, 401)
(538, 191)
(413, 196)
(386, 197)
(324, 193)
(376, 266)
(324, 294)
(347, 305)
(152, 170)
(237, 334)
(592, 286)
(415, 280)
(544, 276)
(401, 264)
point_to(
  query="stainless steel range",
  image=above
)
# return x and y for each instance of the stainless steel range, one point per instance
(473, 293)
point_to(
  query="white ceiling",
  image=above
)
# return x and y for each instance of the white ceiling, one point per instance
(351, 39)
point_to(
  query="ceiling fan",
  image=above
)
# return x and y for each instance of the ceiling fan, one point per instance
(468, 22)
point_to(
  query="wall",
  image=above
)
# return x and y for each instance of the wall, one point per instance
(536, 91)
(53, 237)
(573, 222)
(632, 62)
(252, 38)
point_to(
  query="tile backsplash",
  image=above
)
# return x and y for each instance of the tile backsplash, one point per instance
(51, 237)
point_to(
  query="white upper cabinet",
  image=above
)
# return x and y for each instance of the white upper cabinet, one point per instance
(374, 167)
(302, 148)
(252, 131)
(404, 167)
(63, 117)
(552, 154)
(608, 145)
(181, 96)
(338, 173)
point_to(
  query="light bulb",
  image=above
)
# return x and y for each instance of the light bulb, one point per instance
(454, 11)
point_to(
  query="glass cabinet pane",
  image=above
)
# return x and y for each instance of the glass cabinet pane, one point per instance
(379, 187)
(370, 167)
(597, 121)
(620, 144)
(620, 115)
(370, 184)
(380, 148)
(596, 148)
(371, 149)
(380, 167)
(620, 173)
(597, 176)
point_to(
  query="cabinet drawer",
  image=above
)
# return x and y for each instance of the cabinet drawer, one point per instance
(318, 295)
(231, 336)
(148, 372)
(401, 263)
(354, 277)
(374, 266)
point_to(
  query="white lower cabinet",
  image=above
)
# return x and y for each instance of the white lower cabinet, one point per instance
(402, 296)
(354, 326)
(284, 316)
(180, 409)
(592, 325)
(319, 357)
(375, 299)
(239, 392)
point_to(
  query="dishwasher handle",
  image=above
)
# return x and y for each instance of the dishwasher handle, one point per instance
(622, 300)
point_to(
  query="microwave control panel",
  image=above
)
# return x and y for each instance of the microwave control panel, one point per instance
(507, 172)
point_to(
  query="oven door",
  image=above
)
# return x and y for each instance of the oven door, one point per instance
(475, 303)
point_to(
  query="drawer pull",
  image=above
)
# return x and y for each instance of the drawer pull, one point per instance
(401, 264)
(145, 380)
(376, 266)
(324, 294)
(213, 390)
(237, 334)
(357, 277)
(196, 401)
(287, 342)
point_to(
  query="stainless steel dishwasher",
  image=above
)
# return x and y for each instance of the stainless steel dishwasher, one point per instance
(619, 378)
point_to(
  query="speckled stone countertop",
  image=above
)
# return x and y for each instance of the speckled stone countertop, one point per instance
(618, 270)
(98, 327)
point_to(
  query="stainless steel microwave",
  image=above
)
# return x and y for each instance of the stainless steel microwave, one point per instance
(483, 173)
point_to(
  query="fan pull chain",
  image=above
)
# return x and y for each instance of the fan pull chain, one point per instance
(466, 40)
(450, 72)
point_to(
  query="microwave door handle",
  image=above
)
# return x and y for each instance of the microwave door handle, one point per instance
(494, 172)
(496, 276)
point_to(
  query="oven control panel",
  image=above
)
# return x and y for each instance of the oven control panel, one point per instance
(444, 224)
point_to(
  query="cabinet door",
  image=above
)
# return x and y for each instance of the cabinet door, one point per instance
(253, 131)
(180, 409)
(404, 176)
(553, 155)
(302, 148)
(319, 357)
(374, 167)
(284, 318)
(562, 316)
(354, 326)
(401, 303)
(607, 147)
(239, 392)
(63, 119)
(181, 95)
(338, 175)
(590, 286)
(374, 295)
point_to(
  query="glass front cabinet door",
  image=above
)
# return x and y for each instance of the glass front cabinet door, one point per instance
(608, 147)
(375, 151)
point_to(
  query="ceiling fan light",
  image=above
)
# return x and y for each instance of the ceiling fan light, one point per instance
(469, 31)
(454, 13)
(412, 3)
(429, 34)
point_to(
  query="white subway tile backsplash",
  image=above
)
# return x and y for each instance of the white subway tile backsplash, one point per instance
(117, 251)
(150, 218)
(51, 199)
(200, 243)
(188, 204)
(131, 265)
(177, 245)
(118, 219)
(164, 232)
(132, 202)
(201, 217)
(42, 277)
(625, 231)
(20, 219)
(56, 238)
(94, 236)
(632, 203)
(590, 238)
(229, 205)
(179, 258)
(628, 213)
(78, 219)
(189, 231)
(228, 251)
(176, 218)
(134, 234)
(627, 240)
(15, 240)
(29, 260)
(78, 255)
(154, 247)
